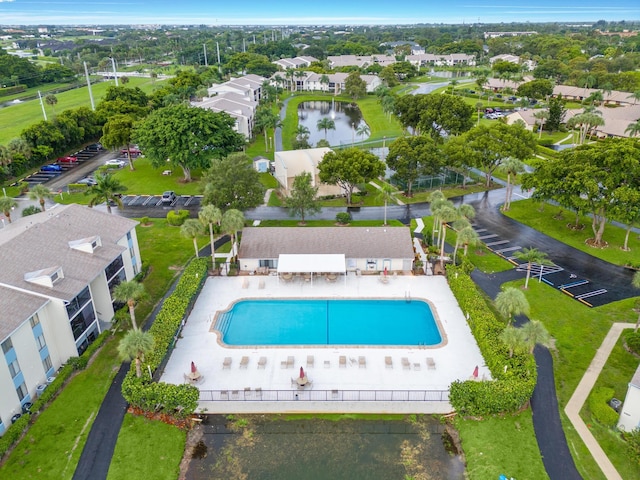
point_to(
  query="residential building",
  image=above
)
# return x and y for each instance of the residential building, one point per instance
(615, 97)
(310, 81)
(365, 249)
(59, 268)
(505, 57)
(250, 86)
(507, 34)
(360, 61)
(297, 62)
(415, 48)
(630, 413)
(241, 108)
(444, 60)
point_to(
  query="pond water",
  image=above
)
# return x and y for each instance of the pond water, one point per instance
(346, 116)
(449, 74)
(269, 447)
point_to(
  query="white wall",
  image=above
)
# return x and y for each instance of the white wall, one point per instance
(630, 414)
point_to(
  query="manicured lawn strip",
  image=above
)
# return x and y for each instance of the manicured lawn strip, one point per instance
(527, 212)
(53, 444)
(147, 449)
(368, 200)
(146, 180)
(329, 223)
(423, 196)
(501, 445)
(616, 374)
(17, 117)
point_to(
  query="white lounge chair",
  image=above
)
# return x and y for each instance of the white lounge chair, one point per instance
(343, 361)
(388, 362)
(310, 361)
(431, 363)
(262, 363)
(227, 363)
(362, 362)
(244, 362)
(405, 363)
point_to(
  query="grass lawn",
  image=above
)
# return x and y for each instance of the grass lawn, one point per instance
(147, 449)
(146, 180)
(527, 212)
(501, 445)
(368, 200)
(17, 117)
(53, 444)
(449, 192)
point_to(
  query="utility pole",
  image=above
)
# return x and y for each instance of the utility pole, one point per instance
(115, 72)
(206, 61)
(44, 112)
(218, 50)
(86, 73)
(244, 47)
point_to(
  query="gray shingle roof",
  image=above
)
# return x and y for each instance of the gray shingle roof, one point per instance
(16, 307)
(353, 242)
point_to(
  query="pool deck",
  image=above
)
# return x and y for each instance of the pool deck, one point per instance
(337, 385)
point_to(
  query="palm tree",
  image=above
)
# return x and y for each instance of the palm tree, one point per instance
(466, 236)
(511, 301)
(535, 333)
(302, 131)
(635, 95)
(210, 215)
(479, 106)
(232, 222)
(513, 338)
(435, 199)
(129, 292)
(107, 189)
(191, 228)
(633, 129)
(446, 213)
(324, 80)
(585, 122)
(453, 82)
(363, 130)
(41, 193)
(635, 281)
(52, 100)
(385, 194)
(542, 116)
(531, 256)
(325, 124)
(512, 166)
(6, 205)
(134, 346)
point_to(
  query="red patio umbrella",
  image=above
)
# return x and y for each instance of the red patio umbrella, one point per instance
(301, 372)
(475, 372)
(193, 367)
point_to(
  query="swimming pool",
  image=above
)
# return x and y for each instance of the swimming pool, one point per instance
(328, 322)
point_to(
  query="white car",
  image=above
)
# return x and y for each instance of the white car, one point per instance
(116, 162)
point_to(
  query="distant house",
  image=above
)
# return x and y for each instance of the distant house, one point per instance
(297, 62)
(505, 57)
(250, 86)
(360, 61)
(241, 108)
(630, 414)
(310, 81)
(415, 48)
(579, 94)
(368, 249)
(292, 163)
(59, 268)
(526, 116)
(500, 84)
(441, 60)
(508, 34)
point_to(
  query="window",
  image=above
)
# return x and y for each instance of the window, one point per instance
(268, 263)
(113, 268)
(41, 342)
(77, 303)
(14, 368)
(34, 321)
(46, 363)
(82, 321)
(7, 346)
(22, 391)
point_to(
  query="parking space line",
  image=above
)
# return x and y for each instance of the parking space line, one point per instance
(509, 249)
(499, 242)
(491, 235)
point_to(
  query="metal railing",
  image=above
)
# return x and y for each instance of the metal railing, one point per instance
(258, 395)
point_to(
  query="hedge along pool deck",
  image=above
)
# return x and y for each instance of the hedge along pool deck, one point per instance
(455, 357)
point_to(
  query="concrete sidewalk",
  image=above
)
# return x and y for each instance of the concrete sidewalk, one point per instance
(582, 393)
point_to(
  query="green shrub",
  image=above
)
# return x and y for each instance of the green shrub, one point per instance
(633, 445)
(343, 217)
(514, 377)
(30, 210)
(13, 433)
(600, 409)
(177, 218)
(6, 91)
(633, 341)
(180, 400)
(77, 187)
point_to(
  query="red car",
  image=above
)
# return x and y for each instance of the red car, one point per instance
(67, 159)
(135, 152)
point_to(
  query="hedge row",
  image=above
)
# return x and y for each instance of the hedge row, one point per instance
(6, 91)
(180, 400)
(514, 378)
(13, 433)
(599, 406)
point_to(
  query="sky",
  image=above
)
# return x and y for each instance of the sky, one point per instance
(323, 12)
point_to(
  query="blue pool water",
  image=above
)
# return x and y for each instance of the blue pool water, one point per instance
(329, 322)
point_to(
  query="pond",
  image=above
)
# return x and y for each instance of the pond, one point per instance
(259, 447)
(346, 116)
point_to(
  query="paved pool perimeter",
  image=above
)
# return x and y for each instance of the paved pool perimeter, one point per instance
(455, 358)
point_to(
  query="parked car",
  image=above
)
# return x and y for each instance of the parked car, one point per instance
(169, 197)
(94, 147)
(51, 168)
(68, 159)
(116, 162)
(89, 181)
(488, 110)
(135, 151)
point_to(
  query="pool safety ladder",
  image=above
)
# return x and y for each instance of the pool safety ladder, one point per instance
(407, 296)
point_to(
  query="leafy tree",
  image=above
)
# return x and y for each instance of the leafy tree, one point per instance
(626, 209)
(531, 256)
(232, 182)
(187, 137)
(540, 88)
(52, 101)
(232, 222)
(117, 133)
(266, 119)
(107, 189)
(325, 123)
(322, 143)
(129, 292)
(210, 215)
(413, 157)
(511, 301)
(6, 205)
(41, 193)
(302, 199)
(134, 346)
(192, 228)
(436, 115)
(501, 67)
(513, 338)
(354, 86)
(535, 333)
(349, 167)
(512, 167)
(486, 147)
